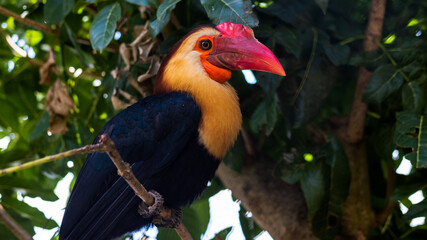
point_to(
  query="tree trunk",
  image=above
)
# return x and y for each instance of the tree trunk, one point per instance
(276, 206)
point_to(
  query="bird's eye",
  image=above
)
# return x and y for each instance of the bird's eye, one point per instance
(205, 44)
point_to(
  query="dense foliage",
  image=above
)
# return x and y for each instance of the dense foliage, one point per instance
(60, 84)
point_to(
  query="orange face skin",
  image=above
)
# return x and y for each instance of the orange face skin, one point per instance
(220, 75)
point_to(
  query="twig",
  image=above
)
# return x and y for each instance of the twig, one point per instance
(307, 70)
(28, 22)
(86, 149)
(13, 226)
(124, 170)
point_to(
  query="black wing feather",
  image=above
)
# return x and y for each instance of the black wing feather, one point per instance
(150, 135)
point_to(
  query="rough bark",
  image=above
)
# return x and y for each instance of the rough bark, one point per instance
(276, 206)
(358, 216)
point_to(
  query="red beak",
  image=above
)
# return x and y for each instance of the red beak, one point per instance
(237, 49)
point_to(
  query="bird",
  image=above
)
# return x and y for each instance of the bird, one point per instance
(175, 139)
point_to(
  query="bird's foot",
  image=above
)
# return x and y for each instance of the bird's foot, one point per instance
(153, 210)
(173, 222)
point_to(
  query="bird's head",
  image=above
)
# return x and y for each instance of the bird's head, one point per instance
(209, 53)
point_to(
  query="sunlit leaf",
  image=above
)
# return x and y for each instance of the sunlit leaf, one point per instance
(10, 23)
(33, 36)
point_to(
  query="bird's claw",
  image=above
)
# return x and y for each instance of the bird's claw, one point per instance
(153, 210)
(173, 222)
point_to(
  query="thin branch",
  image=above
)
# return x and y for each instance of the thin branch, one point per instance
(13, 226)
(86, 149)
(29, 22)
(126, 173)
(124, 170)
(307, 70)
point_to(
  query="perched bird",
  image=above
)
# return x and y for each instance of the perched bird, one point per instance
(175, 139)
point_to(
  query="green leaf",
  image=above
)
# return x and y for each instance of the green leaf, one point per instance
(422, 143)
(10, 23)
(340, 174)
(104, 26)
(323, 4)
(41, 127)
(222, 234)
(28, 186)
(385, 80)
(313, 186)
(417, 210)
(249, 227)
(407, 185)
(290, 39)
(66, 30)
(151, 3)
(56, 10)
(413, 96)
(26, 211)
(196, 218)
(338, 54)
(33, 37)
(24, 222)
(163, 16)
(327, 219)
(265, 115)
(411, 132)
(238, 11)
(167, 234)
(405, 134)
(301, 107)
(234, 157)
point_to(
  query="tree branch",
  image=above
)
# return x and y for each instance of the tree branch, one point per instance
(107, 145)
(86, 149)
(357, 213)
(29, 22)
(126, 173)
(124, 170)
(277, 207)
(13, 226)
(356, 124)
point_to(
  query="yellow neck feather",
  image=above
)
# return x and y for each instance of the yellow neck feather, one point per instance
(221, 116)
